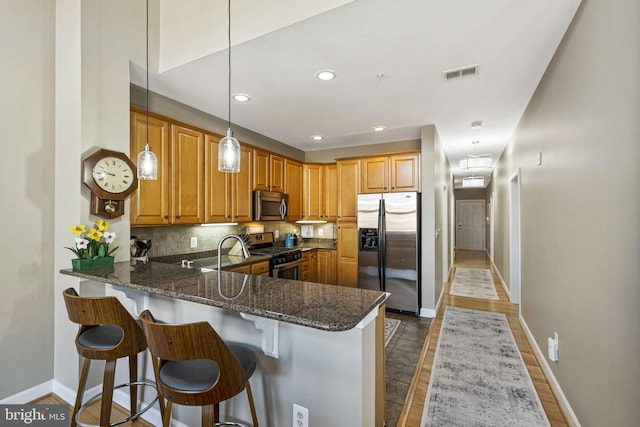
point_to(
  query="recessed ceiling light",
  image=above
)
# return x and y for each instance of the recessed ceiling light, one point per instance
(317, 137)
(241, 97)
(476, 124)
(326, 75)
(378, 128)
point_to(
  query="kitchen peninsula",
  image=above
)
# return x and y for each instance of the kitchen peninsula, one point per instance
(319, 346)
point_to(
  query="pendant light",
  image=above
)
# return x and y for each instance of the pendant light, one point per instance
(147, 160)
(475, 161)
(229, 148)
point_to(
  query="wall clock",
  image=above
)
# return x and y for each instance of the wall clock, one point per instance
(111, 177)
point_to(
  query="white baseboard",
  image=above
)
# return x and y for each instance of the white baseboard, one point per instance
(571, 417)
(432, 312)
(29, 395)
(504, 285)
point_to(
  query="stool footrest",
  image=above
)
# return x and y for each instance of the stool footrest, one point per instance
(123, 420)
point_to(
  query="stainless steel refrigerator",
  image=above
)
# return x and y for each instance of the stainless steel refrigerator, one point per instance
(389, 249)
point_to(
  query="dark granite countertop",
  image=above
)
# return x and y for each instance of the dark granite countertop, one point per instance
(315, 305)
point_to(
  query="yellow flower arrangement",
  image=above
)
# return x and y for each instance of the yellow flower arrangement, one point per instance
(91, 245)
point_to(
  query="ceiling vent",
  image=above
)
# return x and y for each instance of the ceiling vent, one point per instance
(470, 70)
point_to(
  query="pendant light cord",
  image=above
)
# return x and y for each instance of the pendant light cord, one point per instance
(229, 62)
(147, 91)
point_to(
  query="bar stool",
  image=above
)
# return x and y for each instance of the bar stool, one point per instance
(107, 332)
(195, 367)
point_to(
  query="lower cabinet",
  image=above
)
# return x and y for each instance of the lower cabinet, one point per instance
(309, 266)
(260, 268)
(347, 256)
(326, 266)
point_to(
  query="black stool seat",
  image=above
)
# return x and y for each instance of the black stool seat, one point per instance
(195, 367)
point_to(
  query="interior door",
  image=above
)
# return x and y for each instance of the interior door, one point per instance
(470, 221)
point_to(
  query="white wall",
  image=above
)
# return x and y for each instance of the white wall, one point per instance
(579, 212)
(27, 192)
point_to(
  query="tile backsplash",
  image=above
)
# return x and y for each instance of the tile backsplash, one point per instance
(174, 240)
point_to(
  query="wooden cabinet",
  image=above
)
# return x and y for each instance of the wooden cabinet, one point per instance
(326, 270)
(313, 188)
(320, 195)
(227, 195)
(177, 197)
(405, 172)
(347, 256)
(260, 268)
(390, 174)
(293, 187)
(375, 175)
(348, 179)
(246, 269)
(150, 204)
(308, 266)
(330, 192)
(268, 173)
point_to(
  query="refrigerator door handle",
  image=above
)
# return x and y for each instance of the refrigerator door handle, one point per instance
(382, 250)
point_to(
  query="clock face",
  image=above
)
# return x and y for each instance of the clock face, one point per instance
(113, 175)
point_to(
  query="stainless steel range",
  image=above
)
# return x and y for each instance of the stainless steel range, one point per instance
(284, 263)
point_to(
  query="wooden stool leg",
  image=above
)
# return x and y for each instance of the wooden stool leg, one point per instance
(208, 414)
(251, 404)
(166, 418)
(82, 383)
(107, 393)
(216, 412)
(133, 377)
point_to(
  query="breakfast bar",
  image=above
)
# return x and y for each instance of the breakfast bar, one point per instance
(319, 346)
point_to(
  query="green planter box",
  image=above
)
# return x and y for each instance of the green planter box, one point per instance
(82, 264)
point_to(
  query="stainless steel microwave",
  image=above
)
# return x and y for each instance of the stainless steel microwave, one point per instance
(270, 206)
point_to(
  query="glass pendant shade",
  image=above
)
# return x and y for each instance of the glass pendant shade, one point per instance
(473, 182)
(229, 153)
(483, 161)
(147, 164)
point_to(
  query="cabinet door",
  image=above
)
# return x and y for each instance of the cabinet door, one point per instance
(150, 204)
(241, 194)
(312, 192)
(405, 172)
(348, 178)
(260, 268)
(326, 266)
(217, 198)
(261, 180)
(246, 269)
(375, 175)
(347, 254)
(277, 173)
(329, 192)
(187, 163)
(293, 187)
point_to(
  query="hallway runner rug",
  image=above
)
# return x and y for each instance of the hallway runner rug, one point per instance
(390, 328)
(478, 376)
(474, 283)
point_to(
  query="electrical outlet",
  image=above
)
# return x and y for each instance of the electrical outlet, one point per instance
(320, 232)
(193, 242)
(300, 416)
(553, 348)
(276, 234)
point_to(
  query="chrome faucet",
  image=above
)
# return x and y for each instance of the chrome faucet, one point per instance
(245, 251)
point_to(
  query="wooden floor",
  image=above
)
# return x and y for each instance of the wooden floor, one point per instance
(91, 415)
(412, 411)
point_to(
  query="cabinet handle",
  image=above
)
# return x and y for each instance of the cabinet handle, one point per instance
(166, 217)
(177, 216)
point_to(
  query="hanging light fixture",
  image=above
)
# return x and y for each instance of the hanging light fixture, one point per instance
(473, 161)
(473, 182)
(147, 160)
(229, 148)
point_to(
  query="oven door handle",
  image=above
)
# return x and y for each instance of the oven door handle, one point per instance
(288, 264)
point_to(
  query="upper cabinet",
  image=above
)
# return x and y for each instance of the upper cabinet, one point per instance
(390, 174)
(320, 195)
(268, 173)
(228, 195)
(348, 179)
(293, 187)
(177, 197)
